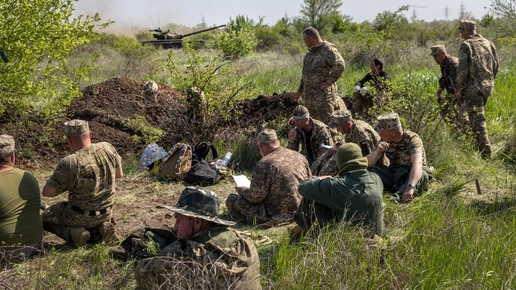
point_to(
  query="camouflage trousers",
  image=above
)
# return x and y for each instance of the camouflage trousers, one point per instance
(60, 219)
(322, 110)
(326, 164)
(395, 180)
(454, 113)
(252, 213)
(475, 101)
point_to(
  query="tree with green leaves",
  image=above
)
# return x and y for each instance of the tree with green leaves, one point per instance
(320, 13)
(37, 37)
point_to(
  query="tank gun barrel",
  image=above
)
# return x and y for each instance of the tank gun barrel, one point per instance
(201, 31)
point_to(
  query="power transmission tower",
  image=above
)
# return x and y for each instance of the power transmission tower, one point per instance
(446, 13)
(462, 11)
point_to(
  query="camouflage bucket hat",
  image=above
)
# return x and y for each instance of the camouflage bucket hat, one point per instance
(199, 202)
(6, 144)
(340, 117)
(437, 49)
(467, 24)
(76, 127)
(150, 88)
(300, 112)
(391, 120)
(266, 135)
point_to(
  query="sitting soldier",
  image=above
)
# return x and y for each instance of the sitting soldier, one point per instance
(89, 177)
(356, 131)
(354, 195)
(407, 174)
(309, 134)
(202, 252)
(20, 200)
(272, 197)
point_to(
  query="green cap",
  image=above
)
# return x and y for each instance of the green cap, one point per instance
(467, 24)
(199, 202)
(266, 135)
(437, 49)
(391, 120)
(340, 117)
(76, 127)
(6, 144)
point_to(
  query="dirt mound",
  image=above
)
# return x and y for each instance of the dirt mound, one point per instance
(118, 113)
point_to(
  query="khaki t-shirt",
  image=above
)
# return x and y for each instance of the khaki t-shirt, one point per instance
(20, 200)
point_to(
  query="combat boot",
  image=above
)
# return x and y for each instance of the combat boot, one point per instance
(107, 232)
(79, 236)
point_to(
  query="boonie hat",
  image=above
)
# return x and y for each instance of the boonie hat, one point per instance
(340, 117)
(150, 88)
(467, 24)
(437, 49)
(199, 202)
(76, 127)
(6, 144)
(266, 135)
(300, 112)
(391, 120)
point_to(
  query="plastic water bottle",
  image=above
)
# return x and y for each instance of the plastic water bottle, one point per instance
(224, 161)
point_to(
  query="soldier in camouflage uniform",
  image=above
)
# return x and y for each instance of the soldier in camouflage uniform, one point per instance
(355, 195)
(203, 252)
(272, 197)
(309, 134)
(407, 174)
(322, 67)
(89, 177)
(356, 131)
(478, 66)
(451, 111)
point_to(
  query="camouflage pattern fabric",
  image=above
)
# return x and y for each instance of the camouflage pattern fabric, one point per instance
(273, 193)
(218, 258)
(451, 111)
(89, 176)
(150, 90)
(76, 127)
(60, 219)
(322, 64)
(400, 153)
(6, 144)
(478, 66)
(321, 134)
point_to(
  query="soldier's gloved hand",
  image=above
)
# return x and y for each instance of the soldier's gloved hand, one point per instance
(356, 88)
(364, 91)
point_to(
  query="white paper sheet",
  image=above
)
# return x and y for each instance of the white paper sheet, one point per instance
(242, 180)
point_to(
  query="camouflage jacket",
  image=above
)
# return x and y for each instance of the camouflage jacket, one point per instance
(320, 134)
(275, 180)
(321, 64)
(361, 134)
(217, 258)
(448, 80)
(89, 176)
(400, 153)
(478, 63)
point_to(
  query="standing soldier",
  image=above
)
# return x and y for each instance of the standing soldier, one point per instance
(322, 67)
(478, 66)
(89, 177)
(450, 109)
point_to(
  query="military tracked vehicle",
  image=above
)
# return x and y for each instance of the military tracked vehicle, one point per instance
(168, 40)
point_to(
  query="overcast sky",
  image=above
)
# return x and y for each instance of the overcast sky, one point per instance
(149, 14)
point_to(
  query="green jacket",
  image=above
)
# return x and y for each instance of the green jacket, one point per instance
(355, 197)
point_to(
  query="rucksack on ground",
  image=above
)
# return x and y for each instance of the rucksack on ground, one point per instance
(178, 162)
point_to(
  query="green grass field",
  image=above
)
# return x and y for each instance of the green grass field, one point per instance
(450, 238)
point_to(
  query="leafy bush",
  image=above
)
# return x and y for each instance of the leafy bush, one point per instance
(238, 39)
